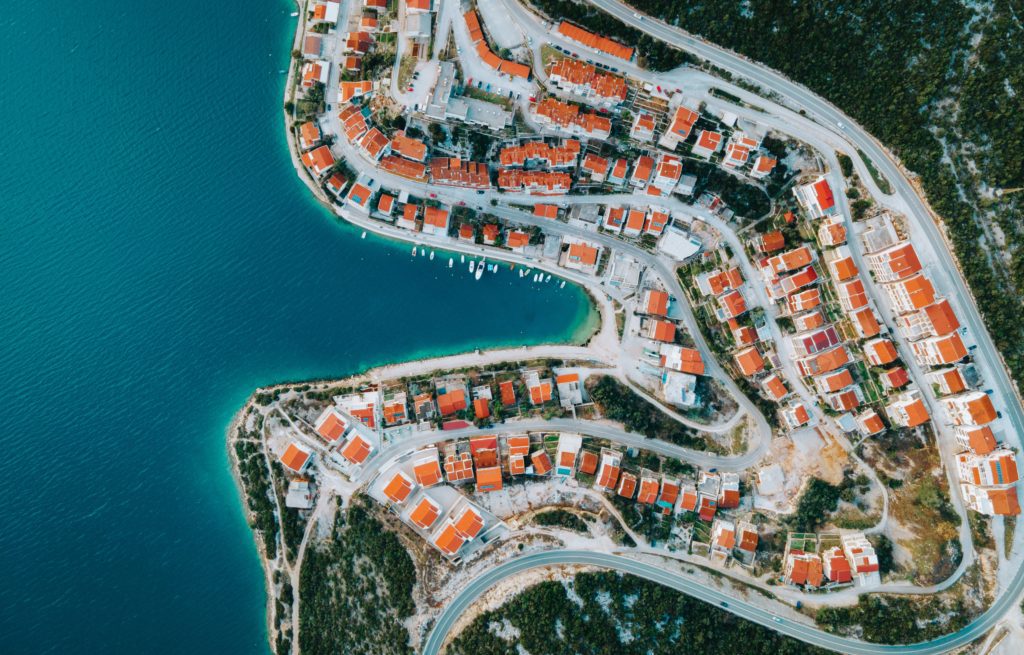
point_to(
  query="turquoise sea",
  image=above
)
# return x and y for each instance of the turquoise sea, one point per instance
(159, 259)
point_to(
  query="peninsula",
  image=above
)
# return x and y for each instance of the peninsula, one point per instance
(791, 409)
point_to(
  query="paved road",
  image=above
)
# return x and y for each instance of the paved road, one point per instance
(447, 619)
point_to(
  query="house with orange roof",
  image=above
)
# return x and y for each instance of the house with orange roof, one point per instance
(763, 166)
(517, 240)
(568, 449)
(749, 362)
(594, 166)
(948, 380)
(993, 469)
(588, 463)
(774, 388)
(490, 233)
(939, 351)
(729, 491)
(331, 425)
(458, 467)
(655, 302)
(634, 224)
(739, 149)
(770, 241)
(570, 390)
(482, 402)
(642, 172)
(688, 497)
(667, 173)
(452, 171)
(508, 393)
(832, 232)
(467, 233)
(742, 335)
(541, 462)
(614, 218)
(355, 90)
(846, 399)
(541, 210)
(394, 409)
(808, 321)
(911, 294)
(424, 512)
(312, 46)
(664, 331)
(354, 122)
(894, 263)
(730, 305)
(408, 147)
(991, 501)
(336, 184)
(368, 23)
(657, 221)
(318, 161)
(325, 11)
(542, 183)
(678, 358)
(411, 170)
(833, 381)
(643, 127)
(880, 352)
(410, 214)
(435, 220)
(971, 408)
(419, 6)
(374, 144)
(627, 485)
(619, 171)
(386, 204)
(723, 540)
(539, 390)
(852, 295)
(399, 488)
(488, 478)
(935, 320)
(979, 439)
(309, 135)
(865, 323)
(359, 197)
(795, 415)
(786, 262)
(746, 540)
(451, 399)
(447, 539)
(894, 378)
(581, 256)
(376, 5)
(583, 79)
(908, 410)
(356, 449)
(717, 281)
(824, 362)
(679, 130)
(668, 495)
(816, 198)
(869, 423)
(608, 473)
(840, 264)
(594, 41)
(357, 43)
(353, 63)
(315, 72)
(784, 286)
(804, 300)
(836, 567)
(707, 144)
(426, 468)
(296, 457)
(540, 153)
(803, 569)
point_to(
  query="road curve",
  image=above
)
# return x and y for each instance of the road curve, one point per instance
(809, 634)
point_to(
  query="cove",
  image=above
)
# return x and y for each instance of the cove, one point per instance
(159, 260)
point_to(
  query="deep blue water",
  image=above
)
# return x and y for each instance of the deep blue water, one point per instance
(159, 259)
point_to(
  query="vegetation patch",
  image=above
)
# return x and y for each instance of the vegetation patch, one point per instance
(355, 589)
(561, 518)
(611, 613)
(619, 403)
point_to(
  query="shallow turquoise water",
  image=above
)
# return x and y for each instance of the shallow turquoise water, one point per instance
(159, 259)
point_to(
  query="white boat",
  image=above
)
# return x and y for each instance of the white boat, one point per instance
(562, 285)
(462, 259)
(364, 235)
(451, 262)
(472, 266)
(547, 279)
(294, 14)
(479, 271)
(423, 251)
(414, 251)
(495, 269)
(431, 255)
(520, 272)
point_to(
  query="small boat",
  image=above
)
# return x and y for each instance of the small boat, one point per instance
(511, 267)
(431, 255)
(529, 270)
(479, 272)
(495, 269)
(562, 285)
(472, 266)
(451, 262)
(520, 272)
(423, 251)
(414, 251)
(294, 14)
(462, 259)
(363, 235)
(547, 279)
